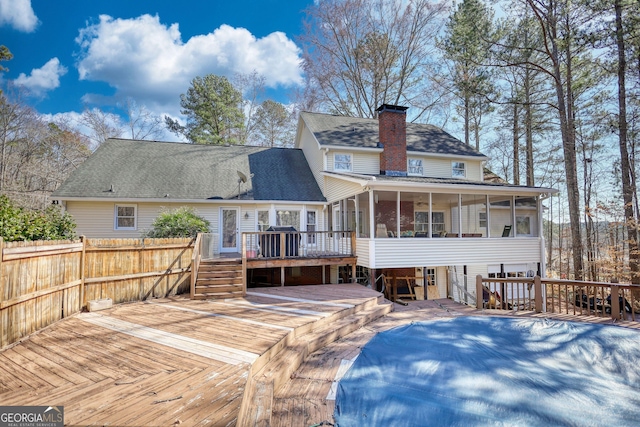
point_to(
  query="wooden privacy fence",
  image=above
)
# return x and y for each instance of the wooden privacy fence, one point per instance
(44, 281)
(571, 297)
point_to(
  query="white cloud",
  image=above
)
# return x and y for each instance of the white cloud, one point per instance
(18, 14)
(42, 79)
(147, 60)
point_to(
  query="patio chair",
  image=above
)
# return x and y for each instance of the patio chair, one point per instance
(381, 230)
(506, 232)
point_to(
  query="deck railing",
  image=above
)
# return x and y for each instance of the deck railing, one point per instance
(298, 244)
(559, 296)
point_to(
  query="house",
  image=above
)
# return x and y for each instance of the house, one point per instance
(412, 198)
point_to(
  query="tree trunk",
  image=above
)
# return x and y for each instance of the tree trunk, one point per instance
(516, 146)
(628, 190)
(528, 126)
(467, 107)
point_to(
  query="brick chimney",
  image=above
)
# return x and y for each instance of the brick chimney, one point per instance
(392, 124)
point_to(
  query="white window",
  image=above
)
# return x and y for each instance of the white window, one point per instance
(263, 220)
(482, 219)
(458, 170)
(523, 226)
(342, 162)
(125, 217)
(422, 222)
(311, 227)
(430, 276)
(438, 222)
(287, 218)
(414, 167)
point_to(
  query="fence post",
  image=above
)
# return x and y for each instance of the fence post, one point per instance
(537, 291)
(244, 263)
(615, 302)
(83, 258)
(140, 270)
(479, 296)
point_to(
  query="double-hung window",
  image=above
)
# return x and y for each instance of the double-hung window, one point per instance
(311, 227)
(421, 219)
(458, 170)
(263, 220)
(288, 218)
(125, 217)
(342, 162)
(414, 167)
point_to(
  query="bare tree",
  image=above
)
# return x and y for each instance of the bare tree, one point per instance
(140, 122)
(359, 54)
(252, 87)
(559, 22)
(101, 125)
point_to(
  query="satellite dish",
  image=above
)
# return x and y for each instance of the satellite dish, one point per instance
(243, 177)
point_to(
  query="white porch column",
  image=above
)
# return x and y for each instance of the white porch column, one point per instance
(372, 217)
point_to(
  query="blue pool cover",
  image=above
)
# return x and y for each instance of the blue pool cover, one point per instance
(488, 371)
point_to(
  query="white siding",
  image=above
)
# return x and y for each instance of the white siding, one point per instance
(314, 156)
(96, 219)
(441, 168)
(406, 253)
(366, 163)
(338, 189)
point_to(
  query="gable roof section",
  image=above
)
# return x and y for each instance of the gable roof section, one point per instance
(342, 131)
(178, 171)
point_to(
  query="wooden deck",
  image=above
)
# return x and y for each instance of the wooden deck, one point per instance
(179, 361)
(170, 361)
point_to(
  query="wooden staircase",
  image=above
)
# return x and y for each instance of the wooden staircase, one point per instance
(219, 279)
(271, 371)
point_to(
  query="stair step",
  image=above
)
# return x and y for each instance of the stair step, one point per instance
(218, 288)
(218, 274)
(265, 384)
(220, 281)
(219, 295)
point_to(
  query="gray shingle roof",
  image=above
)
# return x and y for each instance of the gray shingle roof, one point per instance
(363, 133)
(145, 169)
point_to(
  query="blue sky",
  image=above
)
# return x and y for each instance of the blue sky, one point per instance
(99, 52)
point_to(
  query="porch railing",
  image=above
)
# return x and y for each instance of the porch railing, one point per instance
(298, 244)
(571, 297)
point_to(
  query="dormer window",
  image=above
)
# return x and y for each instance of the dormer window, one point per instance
(458, 170)
(414, 167)
(342, 162)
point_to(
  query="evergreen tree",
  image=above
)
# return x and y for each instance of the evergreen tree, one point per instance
(469, 32)
(212, 107)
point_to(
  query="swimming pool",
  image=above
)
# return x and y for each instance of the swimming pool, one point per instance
(479, 371)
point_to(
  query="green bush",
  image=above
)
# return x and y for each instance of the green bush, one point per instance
(17, 224)
(180, 222)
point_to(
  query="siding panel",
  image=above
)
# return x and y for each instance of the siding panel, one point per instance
(406, 253)
(337, 189)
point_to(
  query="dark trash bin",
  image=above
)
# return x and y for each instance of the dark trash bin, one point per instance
(270, 243)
